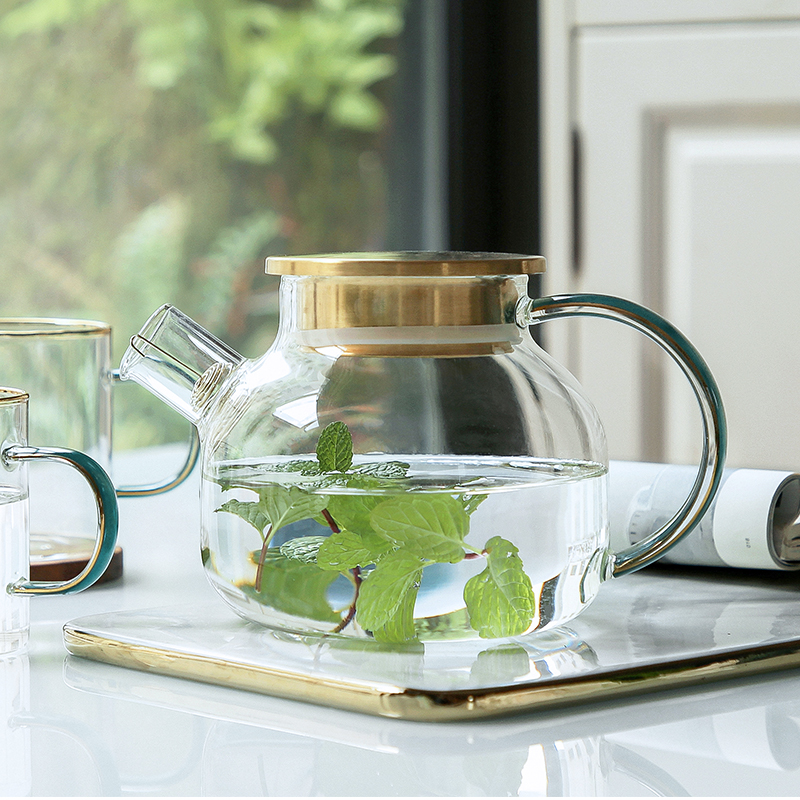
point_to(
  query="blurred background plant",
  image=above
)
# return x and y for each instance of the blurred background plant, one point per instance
(156, 151)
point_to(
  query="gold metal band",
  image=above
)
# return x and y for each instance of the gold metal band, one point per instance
(429, 705)
(408, 264)
(414, 350)
(327, 303)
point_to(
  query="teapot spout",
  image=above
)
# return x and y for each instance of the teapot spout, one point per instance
(178, 361)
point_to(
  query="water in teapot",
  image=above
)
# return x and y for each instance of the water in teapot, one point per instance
(433, 546)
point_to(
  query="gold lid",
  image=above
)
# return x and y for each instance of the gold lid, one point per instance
(403, 264)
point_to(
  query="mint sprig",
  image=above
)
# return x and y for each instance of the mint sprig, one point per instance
(382, 538)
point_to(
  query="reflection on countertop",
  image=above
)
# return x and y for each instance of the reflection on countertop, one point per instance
(71, 726)
(113, 731)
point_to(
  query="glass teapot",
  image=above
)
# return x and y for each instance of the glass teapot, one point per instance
(405, 462)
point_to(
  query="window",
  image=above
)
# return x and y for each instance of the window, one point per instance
(156, 151)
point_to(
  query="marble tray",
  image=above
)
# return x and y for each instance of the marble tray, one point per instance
(657, 629)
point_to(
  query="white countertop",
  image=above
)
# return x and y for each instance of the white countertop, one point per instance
(71, 727)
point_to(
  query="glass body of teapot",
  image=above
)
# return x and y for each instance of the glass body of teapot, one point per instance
(405, 462)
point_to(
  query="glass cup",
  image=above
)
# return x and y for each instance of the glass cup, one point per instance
(14, 520)
(65, 366)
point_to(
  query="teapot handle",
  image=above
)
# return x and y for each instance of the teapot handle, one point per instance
(705, 390)
(166, 485)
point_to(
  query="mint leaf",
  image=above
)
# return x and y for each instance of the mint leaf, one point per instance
(302, 466)
(383, 469)
(277, 506)
(284, 505)
(346, 550)
(363, 483)
(321, 482)
(472, 501)
(431, 527)
(335, 448)
(352, 511)
(384, 589)
(295, 588)
(400, 627)
(500, 600)
(249, 512)
(303, 548)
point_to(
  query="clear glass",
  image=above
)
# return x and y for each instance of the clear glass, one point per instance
(14, 520)
(65, 365)
(437, 477)
(503, 441)
(706, 392)
(15, 453)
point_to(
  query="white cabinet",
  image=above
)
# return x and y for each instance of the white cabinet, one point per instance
(687, 191)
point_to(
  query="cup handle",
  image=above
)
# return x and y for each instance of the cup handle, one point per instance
(165, 486)
(107, 514)
(705, 390)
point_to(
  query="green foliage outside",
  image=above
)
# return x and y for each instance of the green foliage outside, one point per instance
(156, 151)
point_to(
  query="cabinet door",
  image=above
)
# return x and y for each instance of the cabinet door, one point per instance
(689, 142)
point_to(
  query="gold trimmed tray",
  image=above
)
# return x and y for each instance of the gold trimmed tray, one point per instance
(655, 630)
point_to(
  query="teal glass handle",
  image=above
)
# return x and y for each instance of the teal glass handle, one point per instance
(706, 392)
(188, 465)
(107, 514)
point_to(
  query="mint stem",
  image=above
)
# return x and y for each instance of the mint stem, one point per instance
(351, 612)
(262, 558)
(330, 520)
